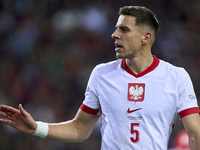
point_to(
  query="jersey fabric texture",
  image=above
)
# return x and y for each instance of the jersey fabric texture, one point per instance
(138, 111)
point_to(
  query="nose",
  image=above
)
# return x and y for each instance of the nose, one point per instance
(115, 35)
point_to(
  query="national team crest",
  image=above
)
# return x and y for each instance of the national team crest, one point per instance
(136, 92)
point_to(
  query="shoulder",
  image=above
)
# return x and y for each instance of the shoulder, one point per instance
(105, 70)
(170, 68)
(108, 67)
(170, 72)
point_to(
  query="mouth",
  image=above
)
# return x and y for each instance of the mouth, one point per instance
(118, 46)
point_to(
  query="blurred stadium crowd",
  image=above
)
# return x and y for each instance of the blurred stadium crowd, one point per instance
(48, 49)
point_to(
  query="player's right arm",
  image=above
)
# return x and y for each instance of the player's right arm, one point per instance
(75, 130)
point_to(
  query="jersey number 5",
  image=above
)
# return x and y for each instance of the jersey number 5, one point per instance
(134, 139)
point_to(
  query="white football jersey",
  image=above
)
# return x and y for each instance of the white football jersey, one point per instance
(138, 111)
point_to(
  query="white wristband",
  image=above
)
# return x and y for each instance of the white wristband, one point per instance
(42, 129)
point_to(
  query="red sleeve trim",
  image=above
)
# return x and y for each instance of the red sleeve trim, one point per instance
(89, 110)
(189, 111)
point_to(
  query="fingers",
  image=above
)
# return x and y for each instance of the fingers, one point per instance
(22, 110)
(6, 121)
(9, 122)
(8, 113)
(5, 109)
(7, 116)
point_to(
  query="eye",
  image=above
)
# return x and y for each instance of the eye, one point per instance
(124, 30)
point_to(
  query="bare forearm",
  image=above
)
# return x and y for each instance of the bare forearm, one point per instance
(73, 131)
(195, 143)
(66, 132)
(192, 126)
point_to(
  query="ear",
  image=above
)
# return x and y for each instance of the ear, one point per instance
(146, 38)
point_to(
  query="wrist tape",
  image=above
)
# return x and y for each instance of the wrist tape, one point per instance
(41, 130)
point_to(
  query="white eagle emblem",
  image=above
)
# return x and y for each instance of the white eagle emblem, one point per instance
(136, 92)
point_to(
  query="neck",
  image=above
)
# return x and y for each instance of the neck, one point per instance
(139, 64)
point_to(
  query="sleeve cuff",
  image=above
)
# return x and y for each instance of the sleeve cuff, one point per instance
(89, 110)
(188, 111)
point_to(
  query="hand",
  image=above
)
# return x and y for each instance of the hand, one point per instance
(19, 119)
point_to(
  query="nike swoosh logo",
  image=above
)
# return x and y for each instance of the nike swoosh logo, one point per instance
(131, 111)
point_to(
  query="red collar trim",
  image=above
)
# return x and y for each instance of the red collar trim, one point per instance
(149, 69)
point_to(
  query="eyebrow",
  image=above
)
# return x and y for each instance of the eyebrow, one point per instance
(122, 27)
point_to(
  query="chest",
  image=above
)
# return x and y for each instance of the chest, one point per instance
(144, 97)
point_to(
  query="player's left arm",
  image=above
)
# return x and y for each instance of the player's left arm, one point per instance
(192, 126)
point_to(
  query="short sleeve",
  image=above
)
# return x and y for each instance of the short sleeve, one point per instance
(91, 103)
(187, 101)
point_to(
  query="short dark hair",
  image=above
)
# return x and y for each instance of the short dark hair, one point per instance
(143, 15)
